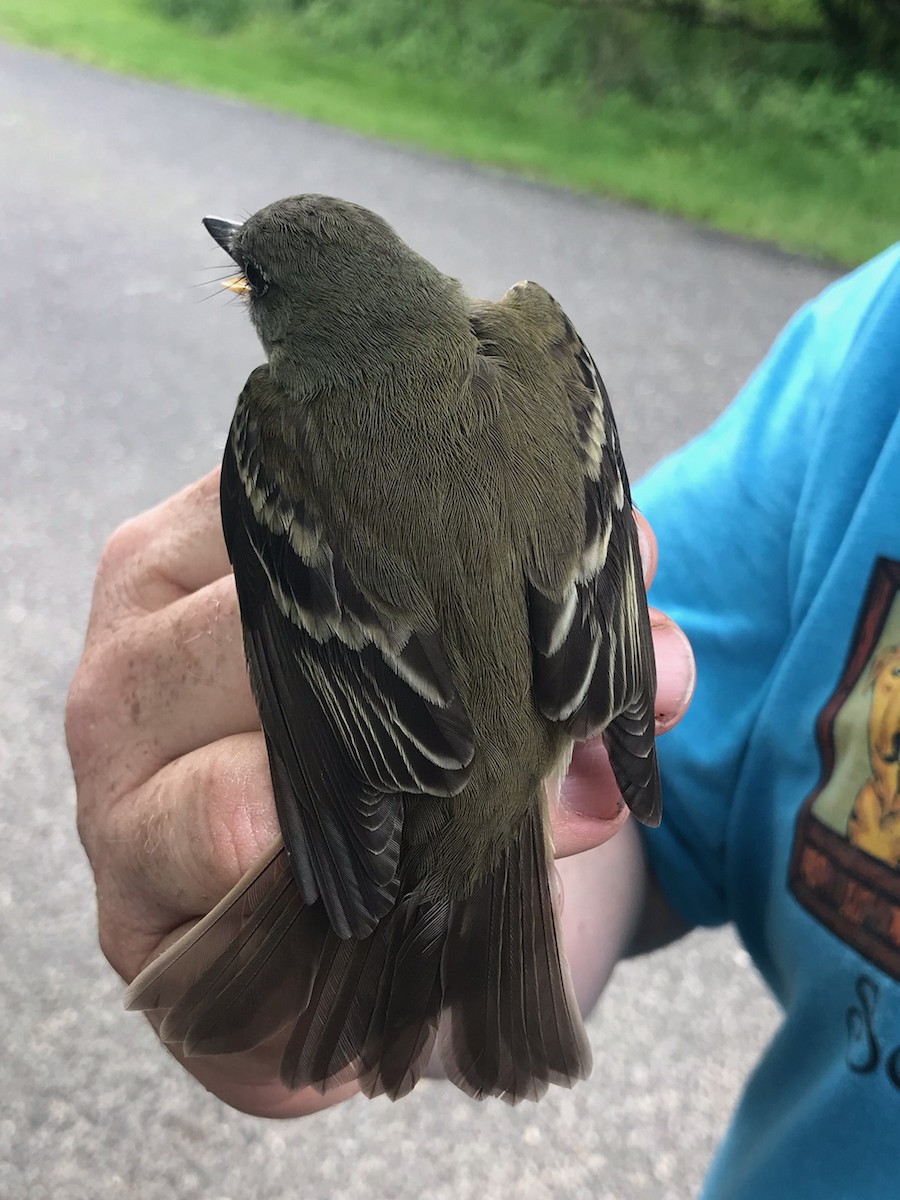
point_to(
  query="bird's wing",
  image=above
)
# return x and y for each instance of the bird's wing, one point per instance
(594, 669)
(355, 698)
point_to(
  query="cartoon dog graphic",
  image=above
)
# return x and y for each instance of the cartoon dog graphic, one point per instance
(874, 823)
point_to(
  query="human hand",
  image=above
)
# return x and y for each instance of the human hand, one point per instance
(174, 796)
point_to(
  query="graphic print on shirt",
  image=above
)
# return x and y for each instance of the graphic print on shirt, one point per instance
(845, 866)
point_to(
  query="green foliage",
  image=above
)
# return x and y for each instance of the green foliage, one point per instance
(213, 16)
(864, 116)
(590, 50)
(748, 135)
(866, 31)
(456, 37)
(600, 42)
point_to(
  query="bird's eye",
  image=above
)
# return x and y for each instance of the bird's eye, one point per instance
(256, 278)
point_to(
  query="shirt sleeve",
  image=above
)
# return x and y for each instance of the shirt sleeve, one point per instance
(724, 510)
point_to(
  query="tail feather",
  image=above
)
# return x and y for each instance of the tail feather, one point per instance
(484, 976)
(404, 1024)
(511, 1023)
(524, 1024)
(162, 984)
(472, 1044)
(566, 1053)
(255, 988)
(374, 1009)
(324, 1046)
(241, 974)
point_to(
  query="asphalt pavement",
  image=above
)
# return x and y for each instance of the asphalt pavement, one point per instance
(116, 387)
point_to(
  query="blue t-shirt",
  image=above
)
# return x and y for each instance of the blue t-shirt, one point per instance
(779, 537)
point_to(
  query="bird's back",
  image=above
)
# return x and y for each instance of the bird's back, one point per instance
(467, 525)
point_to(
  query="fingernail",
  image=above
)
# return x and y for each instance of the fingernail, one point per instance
(676, 672)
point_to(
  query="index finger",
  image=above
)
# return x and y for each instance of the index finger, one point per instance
(161, 556)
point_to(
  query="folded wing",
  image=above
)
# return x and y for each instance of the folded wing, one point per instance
(355, 696)
(594, 669)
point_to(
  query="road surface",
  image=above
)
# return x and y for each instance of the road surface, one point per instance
(117, 387)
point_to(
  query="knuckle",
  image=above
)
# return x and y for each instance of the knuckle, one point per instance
(127, 562)
(86, 829)
(79, 715)
(126, 928)
(96, 744)
(112, 944)
(94, 696)
(108, 932)
(94, 824)
(123, 545)
(93, 820)
(83, 713)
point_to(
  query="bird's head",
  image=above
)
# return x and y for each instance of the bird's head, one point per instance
(332, 291)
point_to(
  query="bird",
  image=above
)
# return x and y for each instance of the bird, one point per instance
(429, 521)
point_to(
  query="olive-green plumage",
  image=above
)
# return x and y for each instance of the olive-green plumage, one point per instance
(429, 521)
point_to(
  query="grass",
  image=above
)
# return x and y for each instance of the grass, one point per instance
(748, 172)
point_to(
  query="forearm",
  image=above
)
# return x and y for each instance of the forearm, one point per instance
(612, 909)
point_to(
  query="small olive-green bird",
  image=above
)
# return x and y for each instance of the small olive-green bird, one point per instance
(430, 524)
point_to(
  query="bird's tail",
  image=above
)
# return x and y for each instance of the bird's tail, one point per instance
(484, 977)
(510, 1024)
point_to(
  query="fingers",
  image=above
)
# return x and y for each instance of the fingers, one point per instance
(173, 786)
(676, 671)
(169, 851)
(592, 809)
(161, 556)
(186, 681)
(154, 688)
(174, 795)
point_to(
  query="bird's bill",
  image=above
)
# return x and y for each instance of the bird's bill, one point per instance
(223, 232)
